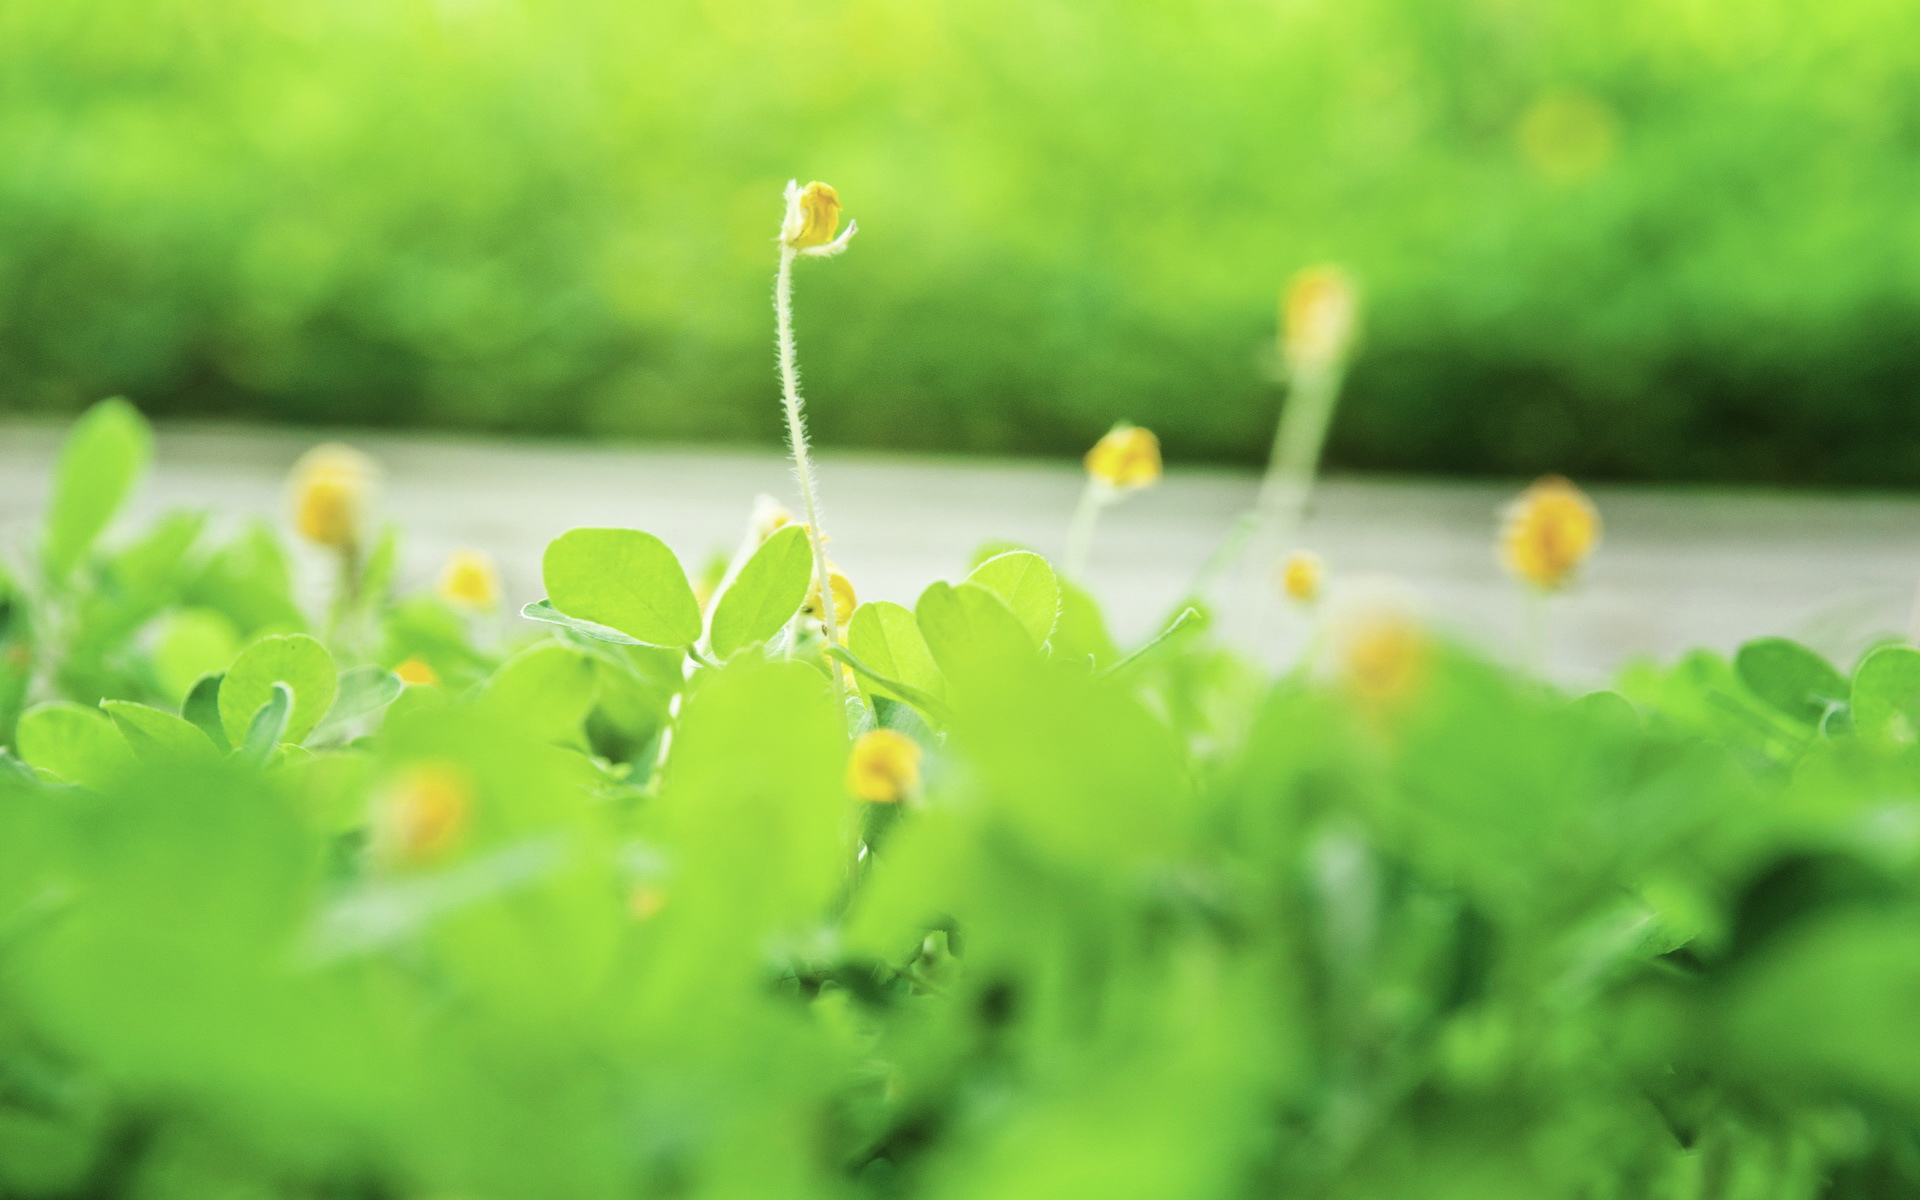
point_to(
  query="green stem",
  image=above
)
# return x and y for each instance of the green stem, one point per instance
(802, 458)
(1086, 516)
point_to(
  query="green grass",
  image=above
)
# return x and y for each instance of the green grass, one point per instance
(483, 214)
(595, 914)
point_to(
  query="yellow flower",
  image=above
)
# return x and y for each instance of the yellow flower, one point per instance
(1301, 576)
(1318, 317)
(1127, 457)
(422, 814)
(813, 216)
(417, 671)
(469, 579)
(884, 767)
(1381, 655)
(844, 601)
(1548, 531)
(331, 485)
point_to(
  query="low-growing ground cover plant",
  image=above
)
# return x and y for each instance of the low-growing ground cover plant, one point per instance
(736, 886)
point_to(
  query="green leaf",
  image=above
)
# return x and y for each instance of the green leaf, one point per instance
(250, 581)
(268, 728)
(766, 593)
(159, 736)
(883, 686)
(201, 709)
(1791, 678)
(189, 643)
(969, 629)
(365, 691)
(623, 579)
(76, 743)
(543, 610)
(296, 660)
(101, 460)
(1187, 616)
(546, 689)
(1886, 694)
(1028, 586)
(887, 640)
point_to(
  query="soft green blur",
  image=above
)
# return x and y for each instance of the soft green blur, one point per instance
(1662, 238)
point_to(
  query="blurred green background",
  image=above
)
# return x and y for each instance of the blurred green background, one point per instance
(1668, 239)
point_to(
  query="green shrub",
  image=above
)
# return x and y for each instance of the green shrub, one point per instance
(594, 912)
(1658, 238)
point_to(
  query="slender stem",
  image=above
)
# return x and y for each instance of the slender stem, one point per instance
(1533, 650)
(1086, 515)
(1297, 443)
(802, 459)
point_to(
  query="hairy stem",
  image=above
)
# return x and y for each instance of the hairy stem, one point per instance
(803, 459)
(1086, 515)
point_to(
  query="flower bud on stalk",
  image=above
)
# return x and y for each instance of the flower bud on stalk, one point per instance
(417, 671)
(421, 817)
(813, 217)
(1302, 576)
(1126, 459)
(1548, 532)
(470, 580)
(844, 600)
(883, 767)
(1319, 315)
(331, 485)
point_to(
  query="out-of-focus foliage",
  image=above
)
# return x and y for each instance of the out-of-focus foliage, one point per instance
(591, 917)
(1669, 238)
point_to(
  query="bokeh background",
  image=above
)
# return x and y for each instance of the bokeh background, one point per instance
(1664, 239)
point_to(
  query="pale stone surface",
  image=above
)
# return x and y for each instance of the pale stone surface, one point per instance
(1678, 566)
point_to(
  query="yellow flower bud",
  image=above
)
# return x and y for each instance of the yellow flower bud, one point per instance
(331, 485)
(1548, 531)
(422, 814)
(1127, 457)
(469, 579)
(1381, 655)
(813, 216)
(417, 671)
(844, 601)
(1301, 576)
(1318, 317)
(884, 767)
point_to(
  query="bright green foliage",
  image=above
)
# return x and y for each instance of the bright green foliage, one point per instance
(296, 660)
(770, 588)
(623, 579)
(588, 918)
(101, 460)
(1027, 585)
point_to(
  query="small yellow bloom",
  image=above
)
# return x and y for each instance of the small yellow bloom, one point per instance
(1548, 531)
(470, 579)
(1127, 457)
(844, 601)
(645, 901)
(884, 767)
(813, 216)
(1318, 318)
(1381, 655)
(422, 815)
(1301, 576)
(331, 486)
(417, 671)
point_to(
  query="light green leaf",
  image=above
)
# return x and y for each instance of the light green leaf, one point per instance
(1027, 585)
(76, 743)
(101, 460)
(1791, 678)
(766, 593)
(886, 638)
(159, 736)
(543, 610)
(201, 709)
(968, 628)
(623, 579)
(296, 660)
(364, 692)
(547, 690)
(1886, 693)
(189, 643)
(269, 726)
